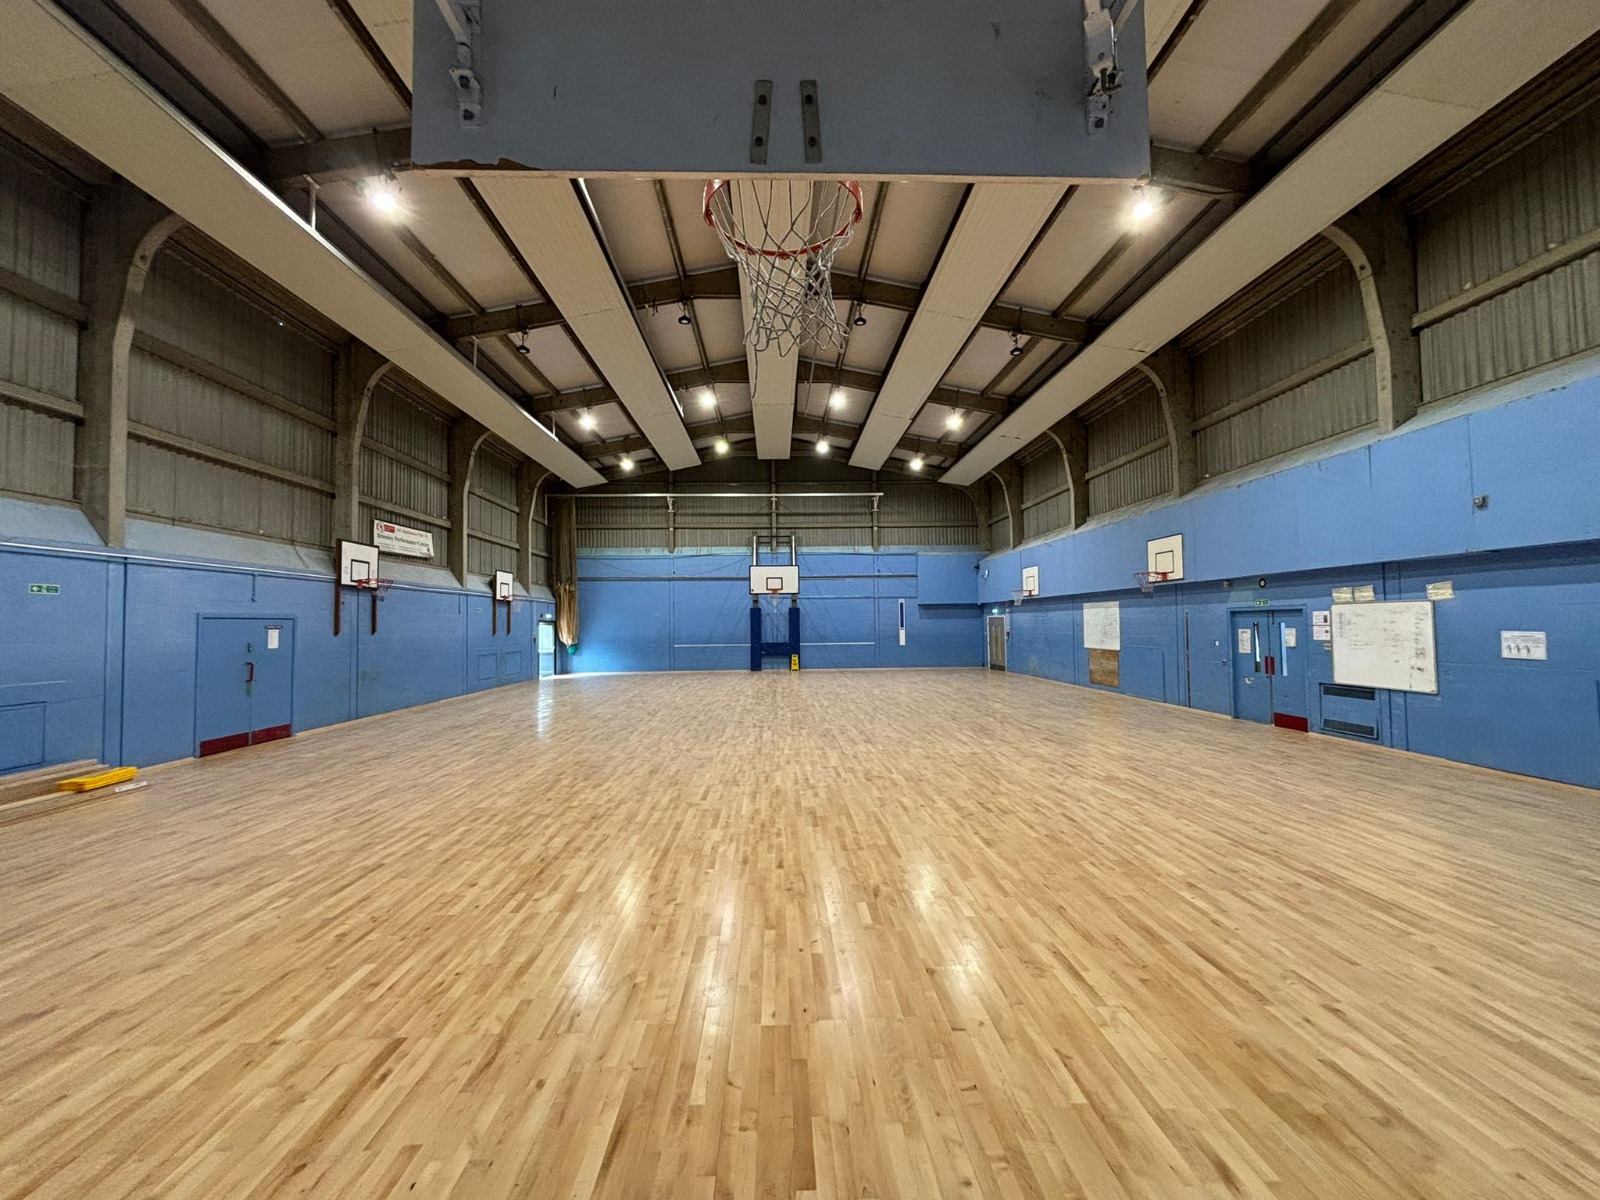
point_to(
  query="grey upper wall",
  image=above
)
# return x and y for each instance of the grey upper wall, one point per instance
(231, 398)
(1508, 280)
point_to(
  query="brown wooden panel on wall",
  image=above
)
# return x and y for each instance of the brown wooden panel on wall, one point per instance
(1105, 667)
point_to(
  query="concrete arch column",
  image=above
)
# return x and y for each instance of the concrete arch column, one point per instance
(357, 372)
(1171, 370)
(1376, 238)
(124, 230)
(466, 435)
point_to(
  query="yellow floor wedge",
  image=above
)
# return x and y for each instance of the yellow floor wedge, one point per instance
(88, 783)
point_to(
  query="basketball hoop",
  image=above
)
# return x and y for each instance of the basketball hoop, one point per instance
(378, 586)
(784, 234)
(1018, 597)
(1148, 579)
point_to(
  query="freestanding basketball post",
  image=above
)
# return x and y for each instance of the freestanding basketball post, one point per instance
(773, 580)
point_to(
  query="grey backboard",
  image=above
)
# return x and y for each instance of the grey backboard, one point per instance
(955, 89)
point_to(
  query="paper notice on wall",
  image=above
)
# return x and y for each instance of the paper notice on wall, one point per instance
(1366, 594)
(400, 539)
(1523, 643)
(1442, 591)
(1322, 633)
(1102, 625)
(273, 632)
(1343, 595)
(1291, 637)
(1244, 641)
(1322, 617)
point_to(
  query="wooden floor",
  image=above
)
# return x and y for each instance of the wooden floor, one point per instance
(908, 934)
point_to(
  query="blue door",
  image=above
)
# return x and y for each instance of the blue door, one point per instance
(1269, 667)
(244, 682)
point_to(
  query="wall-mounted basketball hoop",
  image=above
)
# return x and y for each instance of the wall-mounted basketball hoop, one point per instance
(1147, 580)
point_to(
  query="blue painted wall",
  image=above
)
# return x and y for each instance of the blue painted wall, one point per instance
(106, 668)
(691, 612)
(1397, 513)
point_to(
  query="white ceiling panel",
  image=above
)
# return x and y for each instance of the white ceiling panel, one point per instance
(550, 227)
(698, 241)
(309, 54)
(1175, 214)
(1464, 69)
(176, 35)
(446, 222)
(721, 328)
(389, 22)
(1219, 60)
(997, 223)
(630, 218)
(872, 344)
(558, 360)
(1341, 49)
(916, 216)
(672, 344)
(985, 355)
(1090, 224)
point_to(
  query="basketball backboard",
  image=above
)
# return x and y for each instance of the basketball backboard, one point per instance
(860, 89)
(504, 583)
(772, 579)
(1164, 557)
(358, 563)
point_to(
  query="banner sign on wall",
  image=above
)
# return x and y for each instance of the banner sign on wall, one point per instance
(398, 539)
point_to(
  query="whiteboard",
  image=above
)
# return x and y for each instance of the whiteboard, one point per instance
(1386, 645)
(1102, 625)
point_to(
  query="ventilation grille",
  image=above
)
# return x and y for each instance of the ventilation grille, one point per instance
(1348, 693)
(1350, 727)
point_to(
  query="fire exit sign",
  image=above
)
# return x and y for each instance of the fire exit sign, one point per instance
(44, 589)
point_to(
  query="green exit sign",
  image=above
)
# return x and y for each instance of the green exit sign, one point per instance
(44, 589)
(1262, 603)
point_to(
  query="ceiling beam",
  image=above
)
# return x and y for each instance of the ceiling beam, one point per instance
(1205, 175)
(722, 283)
(1467, 67)
(335, 160)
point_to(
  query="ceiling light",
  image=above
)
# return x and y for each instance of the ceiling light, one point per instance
(683, 316)
(916, 463)
(721, 446)
(587, 421)
(708, 398)
(626, 463)
(953, 421)
(1144, 205)
(822, 447)
(383, 194)
(859, 317)
(837, 399)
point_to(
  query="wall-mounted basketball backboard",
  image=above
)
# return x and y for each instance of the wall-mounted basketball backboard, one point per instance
(504, 585)
(358, 563)
(774, 580)
(1164, 557)
(860, 89)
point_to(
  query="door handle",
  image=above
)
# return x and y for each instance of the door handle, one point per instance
(250, 672)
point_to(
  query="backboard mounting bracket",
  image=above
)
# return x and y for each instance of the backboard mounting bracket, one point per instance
(1100, 51)
(760, 122)
(465, 19)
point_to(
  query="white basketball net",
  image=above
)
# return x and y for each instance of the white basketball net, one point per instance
(784, 234)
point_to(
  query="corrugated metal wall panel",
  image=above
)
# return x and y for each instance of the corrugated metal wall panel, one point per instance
(495, 472)
(41, 226)
(1047, 516)
(1545, 320)
(402, 423)
(189, 308)
(1543, 196)
(169, 486)
(385, 481)
(1133, 424)
(1310, 325)
(1043, 474)
(485, 558)
(1144, 478)
(38, 349)
(372, 510)
(490, 518)
(1342, 400)
(35, 453)
(181, 402)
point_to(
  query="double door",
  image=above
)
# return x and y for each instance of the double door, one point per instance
(244, 682)
(1269, 667)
